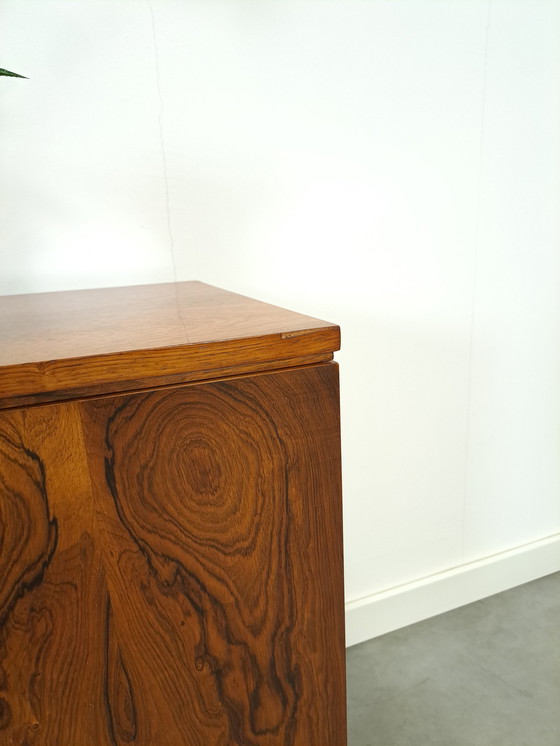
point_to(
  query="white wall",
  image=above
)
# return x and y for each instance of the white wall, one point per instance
(392, 165)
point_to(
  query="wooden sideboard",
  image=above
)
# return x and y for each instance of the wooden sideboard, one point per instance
(170, 521)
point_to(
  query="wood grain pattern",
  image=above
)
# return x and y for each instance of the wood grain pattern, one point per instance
(171, 567)
(59, 343)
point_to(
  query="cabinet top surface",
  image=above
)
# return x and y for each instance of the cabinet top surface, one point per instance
(68, 340)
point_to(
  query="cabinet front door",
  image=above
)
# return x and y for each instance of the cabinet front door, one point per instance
(171, 567)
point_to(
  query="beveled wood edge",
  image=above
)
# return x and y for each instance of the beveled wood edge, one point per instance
(57, 380)
(158, 384)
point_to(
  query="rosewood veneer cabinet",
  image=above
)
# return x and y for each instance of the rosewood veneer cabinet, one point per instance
(170, 521)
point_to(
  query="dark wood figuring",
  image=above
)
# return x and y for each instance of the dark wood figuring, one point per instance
(59, 345)
(172, 569)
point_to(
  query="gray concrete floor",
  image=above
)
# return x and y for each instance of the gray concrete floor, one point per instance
(487, 674)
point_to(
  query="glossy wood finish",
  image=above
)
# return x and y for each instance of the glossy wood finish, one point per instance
(57, 346)
(171, 567)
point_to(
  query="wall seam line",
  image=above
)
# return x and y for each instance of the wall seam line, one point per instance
(162, 141)
(474, 285)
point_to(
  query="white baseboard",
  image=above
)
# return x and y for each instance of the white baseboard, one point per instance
(388, 610)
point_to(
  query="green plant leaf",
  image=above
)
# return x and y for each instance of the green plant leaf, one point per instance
(9, 74)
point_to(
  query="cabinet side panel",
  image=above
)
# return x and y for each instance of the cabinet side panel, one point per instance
(219, 512)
